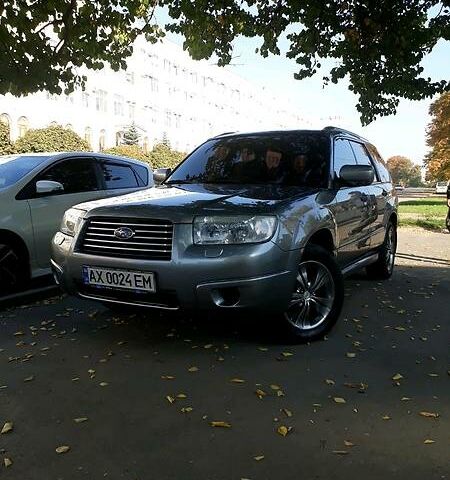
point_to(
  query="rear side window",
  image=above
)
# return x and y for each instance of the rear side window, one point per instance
(142, 174)
(118, 175)
(362, 157)
(343, 155)
(75, 174)
(381, 165)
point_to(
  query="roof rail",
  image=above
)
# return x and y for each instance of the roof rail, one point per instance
(222, 134)
(342, 130)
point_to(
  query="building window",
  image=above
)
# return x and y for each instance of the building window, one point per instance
(100, 100)
(102, 140)
(85, 99)
(131, 110)
(53, 124)
(88, 135)
(154, 84)
(130, 77)
(118, 105)
(167, 118)
(22, 126)
(4, 118)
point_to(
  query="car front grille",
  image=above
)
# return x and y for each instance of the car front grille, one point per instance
(151, 240)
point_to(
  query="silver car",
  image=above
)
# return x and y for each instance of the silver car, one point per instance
(36, 190)
(267, 221)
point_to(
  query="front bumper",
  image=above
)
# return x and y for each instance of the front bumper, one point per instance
(258, 276)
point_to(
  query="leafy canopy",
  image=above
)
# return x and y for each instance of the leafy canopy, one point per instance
(50, 139)
(404, 171)
(437, 161)
(378, 46)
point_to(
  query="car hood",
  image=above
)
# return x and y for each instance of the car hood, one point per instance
(182, 202)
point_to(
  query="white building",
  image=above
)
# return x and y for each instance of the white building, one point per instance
(164, 93)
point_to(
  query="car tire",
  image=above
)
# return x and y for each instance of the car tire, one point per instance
(13, 268)
(317, 297)
(383, 268)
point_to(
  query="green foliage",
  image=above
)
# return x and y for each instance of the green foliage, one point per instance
(165, 140)
(50, 139)
(163, 156)
(404, 171)
(131, 135)
(5, 142)
(437, 161)
(426, 213)
(131, 151)
(377, 46)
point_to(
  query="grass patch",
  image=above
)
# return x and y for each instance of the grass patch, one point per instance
(428, 213)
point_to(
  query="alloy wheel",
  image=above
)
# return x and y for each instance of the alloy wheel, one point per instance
(313, 297)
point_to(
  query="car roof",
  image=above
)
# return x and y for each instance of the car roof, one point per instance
(60, 155)
(330, 130)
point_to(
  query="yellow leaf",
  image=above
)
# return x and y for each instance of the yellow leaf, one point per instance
(170, 399)
(428, 441)
(283, 430)
(7, 427)
(348, 444)
(17, 334)
(328, 381)
(62, 449)
(287, 354)
(167, 377)
(280, 393)
(350, 355)
(429, 414)
(209, 345)
(193, 369)
(260, 393)
(339, 400)
(186, 409)
(287, 412)
(80, 419)
(263, 349)
(181, 395)
(405, 399)
(433, 375)
(7, 462)
(220, 424)
(103, 384)
(29, 379)
(386, 417)
(397, 376)
(258, 458)
(274, 387)
(400, 329)
(237, 380)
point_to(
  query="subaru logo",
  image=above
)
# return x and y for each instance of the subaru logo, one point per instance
(124, 233)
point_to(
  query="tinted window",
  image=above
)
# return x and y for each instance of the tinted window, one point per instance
(142, 174)
(75, 174)
(381, 165)
(343, 155)
(13, 167)
(118, 175)
(287, 159)
(362, 157)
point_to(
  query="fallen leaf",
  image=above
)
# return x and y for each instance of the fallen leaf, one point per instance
(274, 387)
(193, 369)
(237, 380)
(287, 354)
(209, 345)
(186, 409)
(260, 393)
(283, 430)
(181, 395)
(103, 384)
(280, 393)
(328, 381)
(429, 414)
(339, 400)
(7, 462)
(258, 458)
(341, 452)
(428, 441)
(62, 449)
(263, 349)
(220, 424)
(397, 376)
(348, 444)
(167, 377)
(350, 355)
(80, 419)
(7, 427)
(29, 379)
(386, 417)
(170, 399)
(287, 412)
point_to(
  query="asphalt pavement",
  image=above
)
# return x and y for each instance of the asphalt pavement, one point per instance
(134, 396)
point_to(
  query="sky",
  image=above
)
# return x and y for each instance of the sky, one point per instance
(400, 134)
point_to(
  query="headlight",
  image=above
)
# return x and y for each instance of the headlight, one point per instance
(232, 230)
(71, 221)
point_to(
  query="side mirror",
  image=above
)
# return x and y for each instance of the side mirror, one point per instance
(356, 175)
(161, 174)
(48, 186)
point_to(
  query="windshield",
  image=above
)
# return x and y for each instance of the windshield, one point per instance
(15, 167)
(287, 159)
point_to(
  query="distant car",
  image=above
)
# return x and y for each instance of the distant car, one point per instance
(441, 187)
(399, 188)
(36, 190)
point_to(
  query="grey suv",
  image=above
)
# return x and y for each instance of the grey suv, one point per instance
(267, 221)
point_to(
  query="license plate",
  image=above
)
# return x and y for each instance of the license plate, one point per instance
(119, 279)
